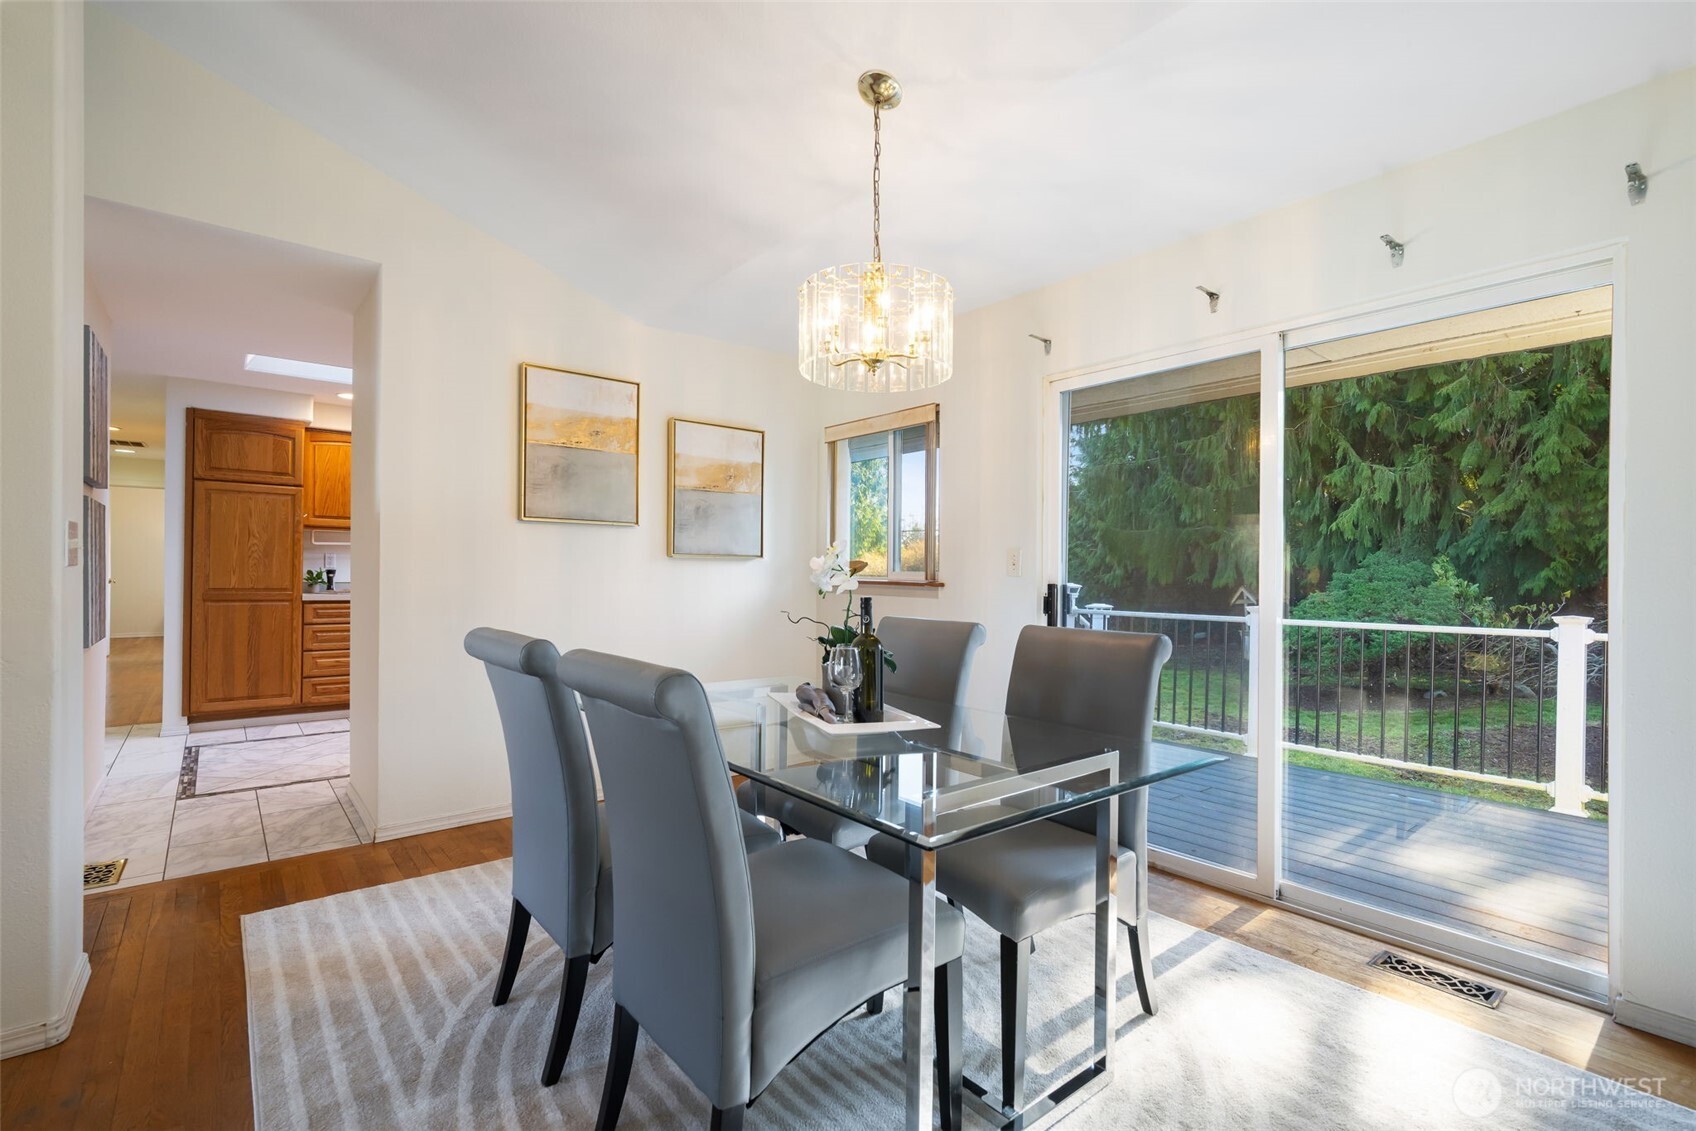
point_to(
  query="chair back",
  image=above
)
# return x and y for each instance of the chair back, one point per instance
(684, 916)
(933, 658)
(1102, 681)
(556, 836)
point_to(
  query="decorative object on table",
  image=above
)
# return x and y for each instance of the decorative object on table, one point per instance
(832, 572)
(93, 571)
(96, 412)
(868, 702)
(580, 452)
(846, 672)
(815, 702)
(872, 328)
(894, 719)
(314, 581)
(718, 474)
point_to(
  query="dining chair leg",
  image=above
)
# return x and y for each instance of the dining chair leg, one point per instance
(517, 930)
(1015, 984)
(1142, 964)
(874, 1004)
(729, 1118)
(565, 1018)
(624, 1033)
(950, 1024)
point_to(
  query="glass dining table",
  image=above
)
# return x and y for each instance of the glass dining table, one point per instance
(938, 774)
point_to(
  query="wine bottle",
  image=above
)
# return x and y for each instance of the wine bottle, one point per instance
(868, 698)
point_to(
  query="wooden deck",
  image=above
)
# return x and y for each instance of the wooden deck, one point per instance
(1523, 877)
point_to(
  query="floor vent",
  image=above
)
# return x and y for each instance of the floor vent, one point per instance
(102, 875)
(1486, 995)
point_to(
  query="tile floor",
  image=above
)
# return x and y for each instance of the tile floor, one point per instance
(220, 799)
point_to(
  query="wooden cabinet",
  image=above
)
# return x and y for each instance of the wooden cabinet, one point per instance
(243, 589)
(326, 632)
(329, 479)
(246, 449)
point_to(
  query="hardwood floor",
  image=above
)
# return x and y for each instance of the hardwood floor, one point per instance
(135, 674)
(161, 1038)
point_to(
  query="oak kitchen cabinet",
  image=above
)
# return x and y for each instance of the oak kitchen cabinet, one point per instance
(252, 646)
(329, 479)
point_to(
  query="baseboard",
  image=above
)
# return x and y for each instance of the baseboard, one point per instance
(45, 1034)
(1634, 1015)
(448, 821)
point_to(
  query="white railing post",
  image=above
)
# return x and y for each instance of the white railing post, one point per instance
(1251, 636)
(1572, 638)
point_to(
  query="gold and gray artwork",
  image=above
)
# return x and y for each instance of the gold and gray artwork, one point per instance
(580, 447)
(717, 490)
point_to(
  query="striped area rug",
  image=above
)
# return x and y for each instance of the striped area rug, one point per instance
(371, 1009)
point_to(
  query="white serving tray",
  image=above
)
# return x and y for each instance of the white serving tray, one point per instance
(894, 718)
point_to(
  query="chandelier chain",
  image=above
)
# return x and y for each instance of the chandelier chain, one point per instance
(877, 182)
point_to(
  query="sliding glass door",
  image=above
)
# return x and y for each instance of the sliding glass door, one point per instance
(1162, 535)
(1379, 548)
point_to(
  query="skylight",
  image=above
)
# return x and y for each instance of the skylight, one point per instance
(288, 367)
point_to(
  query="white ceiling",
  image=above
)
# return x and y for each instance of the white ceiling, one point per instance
(192, 300)
(691, 163)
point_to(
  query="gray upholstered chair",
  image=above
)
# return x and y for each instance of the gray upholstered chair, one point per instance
(732, 963)
(561, 866)
(933, 662)
(1029, 878)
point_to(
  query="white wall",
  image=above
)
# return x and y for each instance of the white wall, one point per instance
(181, 395)
(1541, 191)
(42, 965)
(138, 560)
(435, 434)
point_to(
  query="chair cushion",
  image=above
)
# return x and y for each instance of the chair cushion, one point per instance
(804, 817)
(756, 834)
(830, 930)
(1022, 880)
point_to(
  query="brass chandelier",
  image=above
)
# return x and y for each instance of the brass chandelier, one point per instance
(876, 327)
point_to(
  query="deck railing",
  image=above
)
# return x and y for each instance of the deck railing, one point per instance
(1518, 705)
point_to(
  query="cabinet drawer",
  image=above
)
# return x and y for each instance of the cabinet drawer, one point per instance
(326, 691)
(325, 612)
(323, 663)
(326, 637)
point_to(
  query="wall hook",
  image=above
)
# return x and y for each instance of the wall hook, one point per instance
(1212, 299)
(1047, 344)
(1636, 183)
(1397, 248)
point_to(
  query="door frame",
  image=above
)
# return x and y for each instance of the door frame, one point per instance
(1601, 264)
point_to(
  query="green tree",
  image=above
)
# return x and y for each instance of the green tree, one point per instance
(868, 514)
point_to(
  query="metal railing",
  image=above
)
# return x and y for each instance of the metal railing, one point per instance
(1518, 705)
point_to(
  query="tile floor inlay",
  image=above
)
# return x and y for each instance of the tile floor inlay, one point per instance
(221, 799)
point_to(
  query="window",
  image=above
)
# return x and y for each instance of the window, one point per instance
(883, 493)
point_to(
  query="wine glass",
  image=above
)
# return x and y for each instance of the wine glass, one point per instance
(845, 669)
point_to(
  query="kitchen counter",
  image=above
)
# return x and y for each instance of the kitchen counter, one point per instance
(333, 595)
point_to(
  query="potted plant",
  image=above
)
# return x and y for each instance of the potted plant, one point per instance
(832, 572)
(314, 581)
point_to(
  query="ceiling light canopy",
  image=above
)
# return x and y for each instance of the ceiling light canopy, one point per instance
(289, 367)
(875, 327)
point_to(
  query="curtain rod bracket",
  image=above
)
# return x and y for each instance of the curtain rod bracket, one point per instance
(1636, 183)
(1047, 344)
(1397, 249)
(1212, 299)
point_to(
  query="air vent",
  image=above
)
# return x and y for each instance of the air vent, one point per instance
(133, 445)
(1474, 991)
(102, 875)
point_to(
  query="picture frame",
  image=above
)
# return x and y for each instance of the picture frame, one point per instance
(96, 412)
(579, 447)
(93, 571)
(715, 490)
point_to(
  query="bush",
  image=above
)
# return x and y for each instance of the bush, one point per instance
(1386, 588)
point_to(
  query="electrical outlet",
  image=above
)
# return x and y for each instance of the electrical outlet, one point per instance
(1015, 563)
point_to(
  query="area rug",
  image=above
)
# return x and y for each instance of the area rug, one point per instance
(371, 1009)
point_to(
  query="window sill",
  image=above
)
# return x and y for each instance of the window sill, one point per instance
(880, 583)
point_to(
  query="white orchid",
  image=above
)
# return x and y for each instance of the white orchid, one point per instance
(832, 572)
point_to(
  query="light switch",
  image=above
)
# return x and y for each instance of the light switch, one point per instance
(73, 542)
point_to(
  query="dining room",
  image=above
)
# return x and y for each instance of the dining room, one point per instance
(1075, 576)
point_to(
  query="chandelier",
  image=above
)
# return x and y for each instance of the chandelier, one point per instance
(877, 327)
